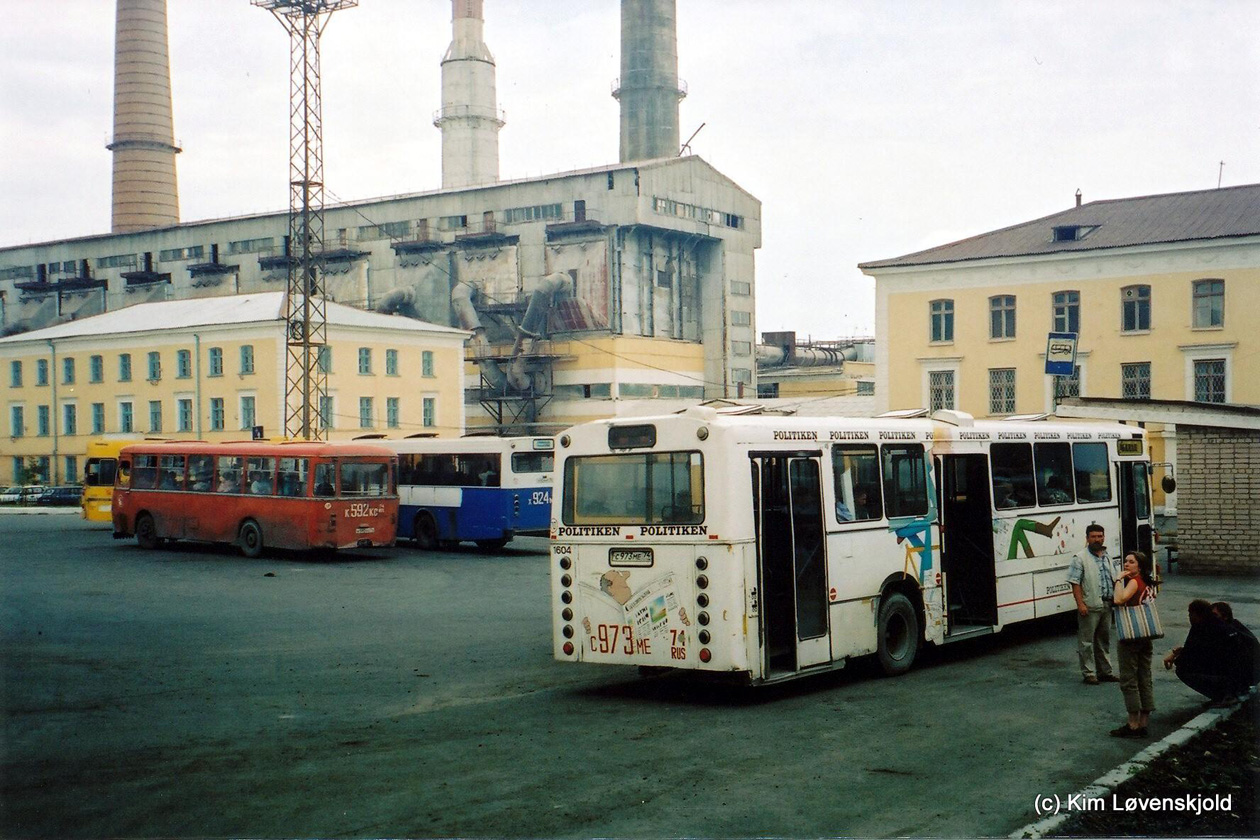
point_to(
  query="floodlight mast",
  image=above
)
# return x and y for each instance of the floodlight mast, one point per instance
(306, 379)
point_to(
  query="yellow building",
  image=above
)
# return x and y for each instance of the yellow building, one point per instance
(214, 369)
(1162, 292)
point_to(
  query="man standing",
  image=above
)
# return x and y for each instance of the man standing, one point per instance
(1092, 576)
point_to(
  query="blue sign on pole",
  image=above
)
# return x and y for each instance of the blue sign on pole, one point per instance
(1061, 354)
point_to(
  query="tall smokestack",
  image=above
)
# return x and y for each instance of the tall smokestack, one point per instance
(470, 118)
(145, 195)
(649, 91)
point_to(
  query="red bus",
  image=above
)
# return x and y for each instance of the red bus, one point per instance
(295, 495)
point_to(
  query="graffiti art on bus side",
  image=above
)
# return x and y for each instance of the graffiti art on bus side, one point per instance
(1019, 536)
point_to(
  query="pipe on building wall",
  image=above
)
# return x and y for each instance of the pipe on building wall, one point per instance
(533, 325)
(466, 315)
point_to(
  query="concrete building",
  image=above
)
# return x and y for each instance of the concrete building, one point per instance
(470, 118)
(807, 370)
(1163, 293)
(213, 370)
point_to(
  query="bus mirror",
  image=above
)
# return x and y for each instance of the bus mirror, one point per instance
(1168, 484)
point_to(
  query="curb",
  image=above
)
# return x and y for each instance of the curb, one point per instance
(1108, 782)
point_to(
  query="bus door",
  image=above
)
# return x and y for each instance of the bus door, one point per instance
(1135, 508)
(967, 555)
(791, 560)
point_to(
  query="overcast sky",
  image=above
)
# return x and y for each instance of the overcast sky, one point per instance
(867, 129)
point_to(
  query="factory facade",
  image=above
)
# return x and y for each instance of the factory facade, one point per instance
(215, 370)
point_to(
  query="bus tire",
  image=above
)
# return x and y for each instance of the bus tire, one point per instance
(146, 532)
(424, 532)
(898, 634)
(492, 545)
(250, 539)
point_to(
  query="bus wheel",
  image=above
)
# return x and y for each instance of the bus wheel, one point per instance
(250, 539)
(898, 634)
(492, 545)
(424, 532)
(146, 532)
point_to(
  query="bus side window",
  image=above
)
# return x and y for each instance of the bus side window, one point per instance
(324, 484)
(905, 480)
(1012, 475)
(123, 474)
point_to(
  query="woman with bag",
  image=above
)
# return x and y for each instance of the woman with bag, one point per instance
(1135, 595)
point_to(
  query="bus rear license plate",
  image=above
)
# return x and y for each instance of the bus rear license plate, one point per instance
(630, 557)
(365, 529)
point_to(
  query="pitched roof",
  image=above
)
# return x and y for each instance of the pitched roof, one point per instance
(216, 311)
(1115, 223)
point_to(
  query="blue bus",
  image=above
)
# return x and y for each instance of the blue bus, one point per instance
(484, 490)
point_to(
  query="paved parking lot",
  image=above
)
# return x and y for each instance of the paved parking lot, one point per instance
(191, 692)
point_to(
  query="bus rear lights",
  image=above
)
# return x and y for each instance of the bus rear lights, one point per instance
(567, 648)
(566, 596)
(702, 599)
(566, 614)
(705, 655)
(566, 581)
(566, 563)
(704, 637)
(568, 631)
(702, 563)
(703, 618)
(702, 581)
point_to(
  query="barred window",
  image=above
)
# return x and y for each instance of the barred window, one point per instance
(941, 389)
(1067, 386)
(1135, 381)
(1002, 390)
(1209, 380)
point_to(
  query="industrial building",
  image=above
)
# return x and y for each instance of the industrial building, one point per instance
(580, 290)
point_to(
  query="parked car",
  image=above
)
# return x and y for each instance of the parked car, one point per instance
(10, 495)
(67, 496)
(21, 495)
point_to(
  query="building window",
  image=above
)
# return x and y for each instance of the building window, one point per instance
(247, 358)
(1135, 381)
(185, 415)
(1209, 380)
(391, 412)
(124, 367)
(15, 374)
(365, 360)
(155, 366)
(1067, 311)
(96, 368)
(217, 414)
(942, 320)
(365, 412)
(183, 364)
(43, 420)
(941, 392)
(67, 371)
(126, 419)
(41, 371)
(1067, 386)
(741, 376)
(740, 318)
(17, 422)
(1209, 304)
(155, 415)
(426, 363)
(1002, 316)
(391, 362)
(249, 416)
(741, 288)
(1002, 390)
(865, 387)
(72, 469)
(1135, 306)
(326, 412)
(741, 348)
(98, 418)
(429, 412)
(323, 359)
(216, 361)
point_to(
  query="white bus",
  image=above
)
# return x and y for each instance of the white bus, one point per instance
(480, 489)
(774, 547)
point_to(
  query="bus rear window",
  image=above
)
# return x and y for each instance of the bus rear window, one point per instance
(635, 489)
(364, 479)
(533, 462)
(99, 472)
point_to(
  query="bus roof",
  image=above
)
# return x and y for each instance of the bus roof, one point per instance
(476, 444)
(258, 448)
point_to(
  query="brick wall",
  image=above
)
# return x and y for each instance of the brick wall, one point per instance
(1218, 500)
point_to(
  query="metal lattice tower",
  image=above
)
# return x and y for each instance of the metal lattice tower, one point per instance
(306, 381)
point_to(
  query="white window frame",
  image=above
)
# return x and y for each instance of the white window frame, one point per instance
(929, 364)
(1203, 352)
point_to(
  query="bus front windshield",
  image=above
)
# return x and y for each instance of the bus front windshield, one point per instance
(634, 489)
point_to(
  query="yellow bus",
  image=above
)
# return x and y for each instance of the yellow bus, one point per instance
(98, 476)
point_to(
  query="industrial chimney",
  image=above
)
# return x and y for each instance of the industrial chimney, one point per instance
(648, 89)
(470, 118)
(145, 195)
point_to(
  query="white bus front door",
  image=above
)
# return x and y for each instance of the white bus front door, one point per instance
(791, 561)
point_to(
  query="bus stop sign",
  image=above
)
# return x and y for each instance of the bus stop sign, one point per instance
(1061, 354)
